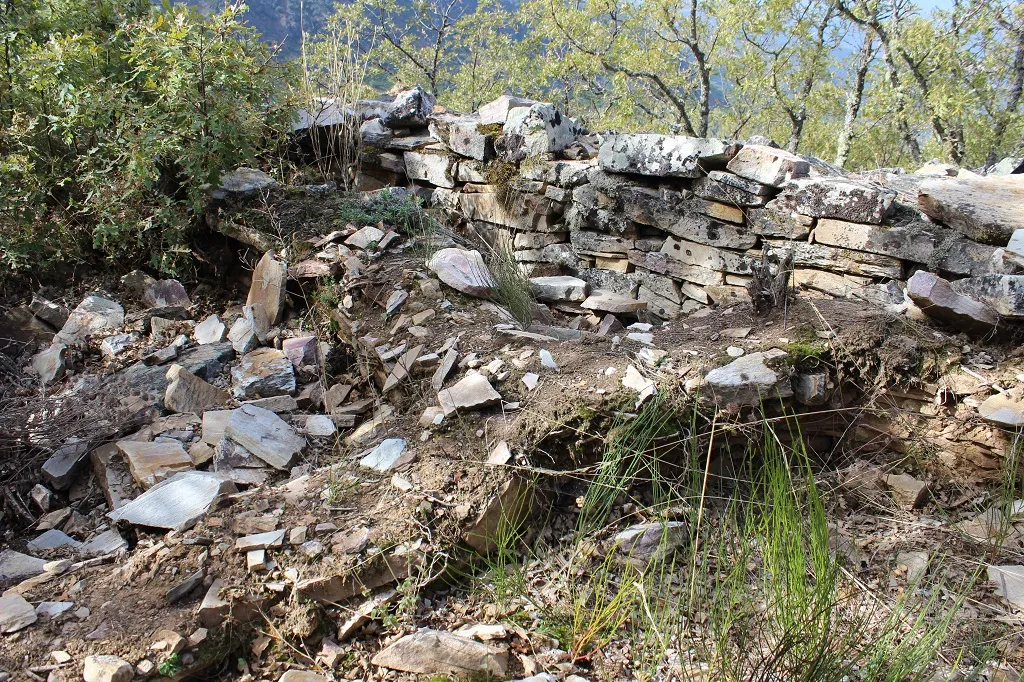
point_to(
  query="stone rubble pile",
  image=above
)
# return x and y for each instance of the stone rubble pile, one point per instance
(678, 223)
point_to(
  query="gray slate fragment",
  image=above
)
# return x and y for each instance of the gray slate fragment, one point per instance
(64, 465)
(15, 613)
(15, 566)
(265, 435)
(52, 539)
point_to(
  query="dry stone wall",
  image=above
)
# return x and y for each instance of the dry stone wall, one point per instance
(680, 222)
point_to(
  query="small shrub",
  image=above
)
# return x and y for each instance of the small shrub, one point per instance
(121, 114)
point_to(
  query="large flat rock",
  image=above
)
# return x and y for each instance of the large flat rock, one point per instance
(15, 566)
(94, 316)
(748, 380)
(840, 198)
(768, 165)
(986, 209)
(206, 362)
(664, 155)
(472, 392)
(463, 270)
(435, 652)
(152, 462)
(177, 503)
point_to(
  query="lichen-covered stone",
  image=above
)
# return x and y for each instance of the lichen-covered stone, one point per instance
(664, 155)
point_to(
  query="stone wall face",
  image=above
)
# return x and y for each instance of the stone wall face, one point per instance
(678, 222)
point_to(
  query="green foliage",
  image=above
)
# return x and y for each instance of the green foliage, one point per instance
(512, 285)
(944, 83)
(170, 666)
(114, 118)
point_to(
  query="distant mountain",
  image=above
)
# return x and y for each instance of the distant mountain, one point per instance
(281, 21)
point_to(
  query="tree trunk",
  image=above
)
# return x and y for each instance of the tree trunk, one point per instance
(854, 100)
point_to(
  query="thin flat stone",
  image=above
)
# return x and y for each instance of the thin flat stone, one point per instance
(177, 503)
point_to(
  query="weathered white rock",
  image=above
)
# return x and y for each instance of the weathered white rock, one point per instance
(243, 183)
(263, 373)
(188, 393)
(177, 503)
(839, 198)
(210, 330)
(410, 109)
(636, 381)
(374, 133)
(916, 242)
(267, 540)
(768, 165)
(15, 613)
(547, 360)
(664, 155)
(915, 564)
(1002, 293)
(939, 300)
(651, 541)
(107, 668)
(986, 209)
(265, 435)
(437, 169)
(608, 302)
(268, 287)
(94, 316)
(464, 271)
(364, 237)
(1002, 410)
(249, 330)
(154, 461)
(535, 130)
(435, 652)
(320, 426)
(497, 111)
(50, 365)
(463, 136)
(559, 288)
(748, 380)
(385, 456)
(302, 676)
(117, 345)
(472, 392)
(48, 610)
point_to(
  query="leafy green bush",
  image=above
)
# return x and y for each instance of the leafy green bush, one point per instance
(114, 117)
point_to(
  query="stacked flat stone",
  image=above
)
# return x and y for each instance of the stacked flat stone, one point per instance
(679, 222)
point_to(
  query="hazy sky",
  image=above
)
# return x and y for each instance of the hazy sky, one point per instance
(933, 4)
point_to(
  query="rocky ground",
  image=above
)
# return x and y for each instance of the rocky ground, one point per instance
(309, 473)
